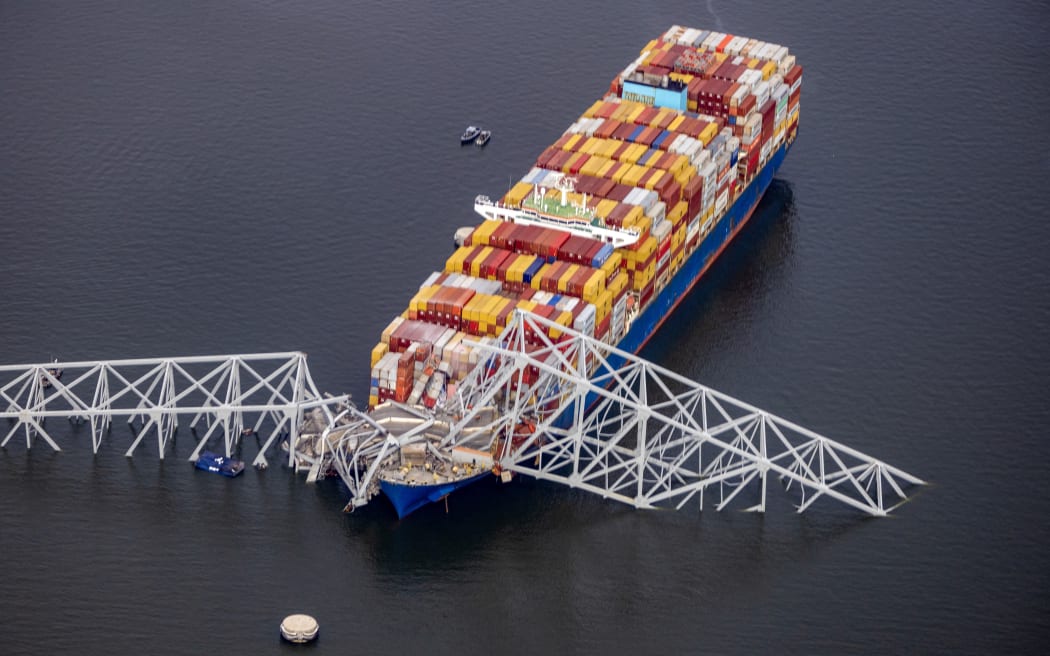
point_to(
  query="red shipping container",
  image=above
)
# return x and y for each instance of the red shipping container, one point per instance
(501, 236)
(620, 192)
(607, 128)
(562, 141)
(546, 156)
(624, 131)
(577, 164)
(593, 248)
(493, 263)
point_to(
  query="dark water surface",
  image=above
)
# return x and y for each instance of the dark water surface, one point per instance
(191, 178)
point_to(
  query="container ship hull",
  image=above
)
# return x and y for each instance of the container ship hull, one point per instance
(609, 231)
(409, 498)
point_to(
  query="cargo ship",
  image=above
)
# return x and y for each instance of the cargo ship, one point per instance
(605, 235)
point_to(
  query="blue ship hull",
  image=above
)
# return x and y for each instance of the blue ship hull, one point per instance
(409, 498)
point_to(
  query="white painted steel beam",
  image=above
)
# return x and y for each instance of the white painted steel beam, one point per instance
(223, 391)
(643, 435)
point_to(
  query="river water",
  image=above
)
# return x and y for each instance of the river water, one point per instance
(196, 178)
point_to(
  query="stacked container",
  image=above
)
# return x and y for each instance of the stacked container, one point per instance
(685, 128)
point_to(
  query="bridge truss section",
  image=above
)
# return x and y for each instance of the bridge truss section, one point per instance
(224, 395)
(580, 412)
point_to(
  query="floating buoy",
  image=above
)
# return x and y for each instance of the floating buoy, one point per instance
(299, 628)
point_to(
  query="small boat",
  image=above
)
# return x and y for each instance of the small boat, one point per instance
(55, 373)
(483, 138)
(219, 464)
(470, 134)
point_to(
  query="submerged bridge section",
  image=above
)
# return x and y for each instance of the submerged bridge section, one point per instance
(225, 395)
(643, 435)
(590, 416)
(574, 411)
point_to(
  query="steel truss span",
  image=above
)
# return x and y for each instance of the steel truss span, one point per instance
(223, 395)
(642, 435)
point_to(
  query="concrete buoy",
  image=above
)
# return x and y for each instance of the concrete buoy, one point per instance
(299, 628)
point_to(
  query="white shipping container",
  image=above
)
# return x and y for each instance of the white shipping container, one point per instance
(671, 35)
(431, 279)
(712, 40)
(786, 64)
(736, 45)
(738, 96)
(779, 55)
(567, 303)
(708, 173)
(659, 210)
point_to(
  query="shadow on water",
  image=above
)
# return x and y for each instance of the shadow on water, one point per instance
(754, 261)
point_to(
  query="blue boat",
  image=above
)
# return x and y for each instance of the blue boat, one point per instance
(219, 464)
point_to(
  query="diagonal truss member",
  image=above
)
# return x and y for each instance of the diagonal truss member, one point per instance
(232, 395)
(580, 412)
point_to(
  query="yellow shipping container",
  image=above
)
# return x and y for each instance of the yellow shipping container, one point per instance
(470, 309)
(378, 352)
(708, 133)
(604, 207)
(643, 277)
(613, 264)
(563, 281)
(677, 213)
(633, 217)
(634, 175)
(516, 272)
(691, 105)
(604, 171)
(603, 305)
(594, 286)
(609, 148)
(483, 232)
(652, 45)
(425, 297)
(475, 266)
(768, 69)
(633, 116)
(454, 263)
(514, 197)
(589, 145)
(618, 283)
(593, 110)
(634, 153)
(570, 145)
(617, 177)
(676, 122)
(593, 165)
(535, 284)
(655, 180)
(684, 78)
(626, 108)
